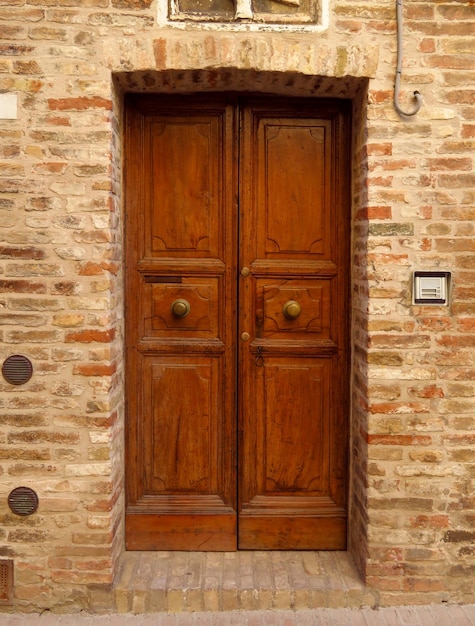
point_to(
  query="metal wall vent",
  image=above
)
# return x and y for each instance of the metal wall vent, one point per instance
(23, 501)
(6, 581)
(17, 369)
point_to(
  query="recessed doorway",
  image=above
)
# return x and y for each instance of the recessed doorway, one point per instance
(237, 322)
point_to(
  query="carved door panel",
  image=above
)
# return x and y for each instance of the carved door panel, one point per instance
(236, 323)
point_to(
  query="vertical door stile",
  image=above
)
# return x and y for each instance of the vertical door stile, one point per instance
(239, 289)
(247, 374)
(231, 247)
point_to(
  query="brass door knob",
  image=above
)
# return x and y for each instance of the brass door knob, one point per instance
(291, 309)
(181, 308)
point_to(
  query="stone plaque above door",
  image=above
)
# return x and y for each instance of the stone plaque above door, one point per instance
(247, 11)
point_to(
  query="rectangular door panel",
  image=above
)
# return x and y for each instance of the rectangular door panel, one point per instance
(184, 190)
(274, 301)
(199, 299)
(213, 533)
(181, 415)
(289, 486)
(328, 532)
(292, 454)
(182, 455)
(292, 185)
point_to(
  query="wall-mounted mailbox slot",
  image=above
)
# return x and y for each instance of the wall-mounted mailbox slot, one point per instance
(431, 288)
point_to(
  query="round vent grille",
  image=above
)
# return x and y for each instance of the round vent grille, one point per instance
(17, 369)
(23, 501)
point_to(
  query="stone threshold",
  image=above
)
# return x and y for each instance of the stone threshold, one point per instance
(228, 581)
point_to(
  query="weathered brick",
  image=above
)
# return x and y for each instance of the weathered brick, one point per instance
(88, 469)
(22, 286)
(400, 341)
(88, 336)
(12, 32)
(58, 504)
(60, 563)
(69, 320)
(27, 67)
(391, 230)
(66, 288)
(79, 104)
(32, 336)
(47, 33)
(26, 253)
(28, 536)
(385, 358)
(34, 304)
(426, 456)
(462, 455)
(429, 391)
(25, 454)
(15, 49)
(461, 12)
(421, 504)
(399, 440)
(435, 324)
(38, 436)
(95, 369)
(463, 341)
(31, 269)
(91, 538)
(457, 536)
(76, 578)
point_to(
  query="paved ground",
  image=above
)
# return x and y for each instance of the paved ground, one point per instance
(433, 615)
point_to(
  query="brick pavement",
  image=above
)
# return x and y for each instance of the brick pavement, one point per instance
(432, 615)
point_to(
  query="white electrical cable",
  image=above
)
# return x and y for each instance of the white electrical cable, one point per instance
(417, 95)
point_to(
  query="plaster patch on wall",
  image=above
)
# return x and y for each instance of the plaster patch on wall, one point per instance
(8, 106)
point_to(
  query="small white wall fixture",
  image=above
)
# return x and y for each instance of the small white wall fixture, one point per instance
(8, 106)
(431, 288)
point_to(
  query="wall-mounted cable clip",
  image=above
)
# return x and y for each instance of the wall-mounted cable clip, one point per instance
(417, 95)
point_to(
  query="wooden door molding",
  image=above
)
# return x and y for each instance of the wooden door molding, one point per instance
(188, 162)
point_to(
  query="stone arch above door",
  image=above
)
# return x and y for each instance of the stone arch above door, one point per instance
(238, 80)
(302, 64)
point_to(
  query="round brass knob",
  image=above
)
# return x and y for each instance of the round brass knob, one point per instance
(291, 309)
(181, 308)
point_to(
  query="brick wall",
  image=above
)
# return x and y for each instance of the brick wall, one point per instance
(61, 298)
(420, 389)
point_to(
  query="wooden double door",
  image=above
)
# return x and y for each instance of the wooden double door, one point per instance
(237, 286)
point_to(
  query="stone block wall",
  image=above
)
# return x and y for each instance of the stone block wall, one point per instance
(412, 466)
